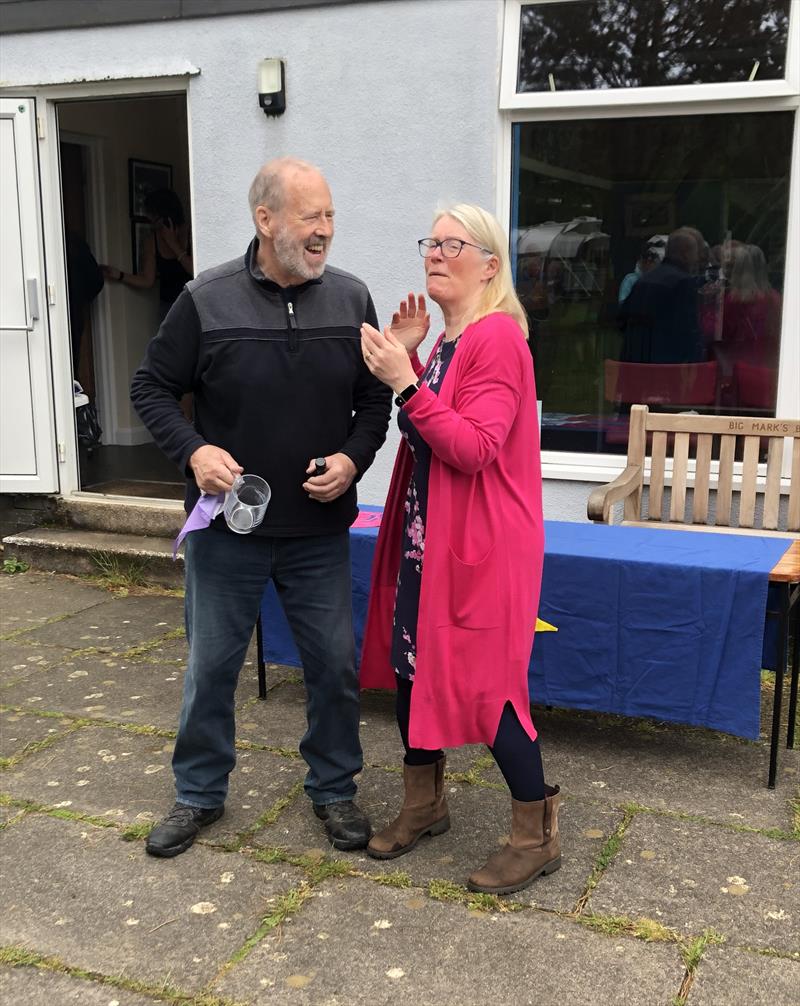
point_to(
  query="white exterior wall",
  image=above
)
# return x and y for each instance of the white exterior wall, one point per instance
(396, 101)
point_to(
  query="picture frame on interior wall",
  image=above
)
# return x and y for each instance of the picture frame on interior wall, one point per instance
(648, 213)
(145, 177)
(141, 231)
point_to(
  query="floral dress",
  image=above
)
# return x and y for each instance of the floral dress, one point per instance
(409, 578)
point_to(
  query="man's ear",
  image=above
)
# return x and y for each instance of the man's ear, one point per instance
(264, 221)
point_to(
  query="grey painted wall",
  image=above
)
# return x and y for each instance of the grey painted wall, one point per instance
(396, 101)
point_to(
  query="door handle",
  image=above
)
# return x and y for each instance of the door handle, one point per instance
(32, 290)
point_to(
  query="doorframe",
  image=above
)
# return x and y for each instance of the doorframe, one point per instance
(100, 308)
(46, 98)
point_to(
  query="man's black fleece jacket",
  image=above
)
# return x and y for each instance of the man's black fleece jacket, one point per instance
(277, 377)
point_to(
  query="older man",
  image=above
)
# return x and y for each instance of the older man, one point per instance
(269, 346)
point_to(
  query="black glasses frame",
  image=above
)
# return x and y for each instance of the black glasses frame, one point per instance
(427, 245)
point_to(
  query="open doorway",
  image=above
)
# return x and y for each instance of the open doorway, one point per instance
(127, 259)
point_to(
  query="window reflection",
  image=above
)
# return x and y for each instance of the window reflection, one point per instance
(649, 256)
(599, 44)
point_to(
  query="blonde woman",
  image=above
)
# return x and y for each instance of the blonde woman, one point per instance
(458, 564)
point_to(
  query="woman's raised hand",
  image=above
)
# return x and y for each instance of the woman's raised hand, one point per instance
(410, 322)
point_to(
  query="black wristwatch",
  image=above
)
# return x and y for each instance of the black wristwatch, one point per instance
(405, 396)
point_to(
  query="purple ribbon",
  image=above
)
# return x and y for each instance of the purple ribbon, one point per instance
(205, 510)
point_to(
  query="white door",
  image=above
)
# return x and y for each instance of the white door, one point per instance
(27, 431)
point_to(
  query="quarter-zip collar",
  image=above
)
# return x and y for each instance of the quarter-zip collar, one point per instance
(258, 277)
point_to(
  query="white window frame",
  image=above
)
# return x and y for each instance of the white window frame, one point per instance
(670, 100)
(625, 97)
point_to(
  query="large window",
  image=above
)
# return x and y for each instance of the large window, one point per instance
(599, 44)
(649, 253)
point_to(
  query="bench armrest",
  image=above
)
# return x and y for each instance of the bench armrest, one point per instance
(604, 497)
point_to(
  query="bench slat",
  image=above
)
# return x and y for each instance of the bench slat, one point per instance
(747, 496)
(772, 492)
(701, 479)
(794, 492)
(656, 498)
(680, 458)
(727, 448)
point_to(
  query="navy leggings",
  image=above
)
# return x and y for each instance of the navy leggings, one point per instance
(517, 756)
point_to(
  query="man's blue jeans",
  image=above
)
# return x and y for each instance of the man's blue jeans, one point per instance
(226, 575)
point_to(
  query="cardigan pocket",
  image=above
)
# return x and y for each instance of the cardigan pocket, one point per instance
(473, 600)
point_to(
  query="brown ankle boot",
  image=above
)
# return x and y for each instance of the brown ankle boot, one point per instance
(424, 812)
(534, 848)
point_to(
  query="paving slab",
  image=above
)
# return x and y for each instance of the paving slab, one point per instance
(29, 599)
(29, 986)
(18, 731)
(726, 976)
(480, 819)
(167, 651)
(115, 624)
(692, 876)
(20, 657)
(102, 687)
(665, 767)
(81, 894)
(281, 722)
(356, 942)
(127, 777)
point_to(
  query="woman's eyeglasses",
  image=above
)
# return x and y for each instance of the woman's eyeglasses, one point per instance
(449, 247)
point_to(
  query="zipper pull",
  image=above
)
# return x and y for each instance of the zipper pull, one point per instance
(292, 319)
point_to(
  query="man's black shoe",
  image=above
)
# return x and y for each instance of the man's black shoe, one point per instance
(346, 824)
(180, 828)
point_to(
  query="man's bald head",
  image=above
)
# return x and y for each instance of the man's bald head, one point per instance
(269, 186)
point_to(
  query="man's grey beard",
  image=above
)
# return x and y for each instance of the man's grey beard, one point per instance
(289, 252)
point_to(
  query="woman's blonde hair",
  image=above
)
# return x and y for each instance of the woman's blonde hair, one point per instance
(485, 230)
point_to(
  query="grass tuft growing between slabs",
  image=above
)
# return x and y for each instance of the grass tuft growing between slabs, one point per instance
(445, 890)
(18, 957)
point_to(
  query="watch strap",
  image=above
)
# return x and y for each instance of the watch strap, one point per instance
(404, 396)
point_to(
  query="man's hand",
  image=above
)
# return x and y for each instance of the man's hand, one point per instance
(336, 480)
(214, 469)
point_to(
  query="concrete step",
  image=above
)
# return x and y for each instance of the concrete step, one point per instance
(75, 550)
(122, 515)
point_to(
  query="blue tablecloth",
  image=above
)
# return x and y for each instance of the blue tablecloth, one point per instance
(651, 622)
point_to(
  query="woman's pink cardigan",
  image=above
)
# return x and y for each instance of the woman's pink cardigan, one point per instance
(484, 544)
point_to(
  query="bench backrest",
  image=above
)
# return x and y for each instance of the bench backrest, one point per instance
(671, 437)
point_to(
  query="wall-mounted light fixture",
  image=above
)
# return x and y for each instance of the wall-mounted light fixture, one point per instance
(272, 86)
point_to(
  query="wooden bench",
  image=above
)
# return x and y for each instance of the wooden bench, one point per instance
(737, 438)
(674, 438)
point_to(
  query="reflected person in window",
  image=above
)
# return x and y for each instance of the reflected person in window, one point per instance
(649, 257)
(659, 318)
(458, 564)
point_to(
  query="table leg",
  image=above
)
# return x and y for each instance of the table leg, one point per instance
(780, 668)
(262, 669)
(794, 607)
